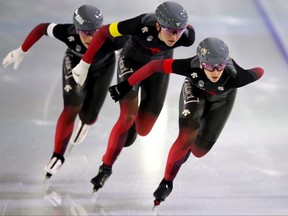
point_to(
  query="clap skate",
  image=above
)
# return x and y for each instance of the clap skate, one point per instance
(79, 135)
(54, 165)
(102, 176)
(163, 191)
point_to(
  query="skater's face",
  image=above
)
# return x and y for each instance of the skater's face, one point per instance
(86, 36)
(213, 72)
(169, 36)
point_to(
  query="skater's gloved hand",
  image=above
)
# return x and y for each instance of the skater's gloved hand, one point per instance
(120, 90)
(15, 56)
(80, 72)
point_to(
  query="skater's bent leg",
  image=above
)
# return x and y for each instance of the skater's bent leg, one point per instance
(212, 125)
(73, 100)
(97, 89)
(190, 109)
(118, 135)
(178, 152)
(153, 93)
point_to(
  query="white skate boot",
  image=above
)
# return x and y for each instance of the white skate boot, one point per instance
(80, 133)
(54, 165)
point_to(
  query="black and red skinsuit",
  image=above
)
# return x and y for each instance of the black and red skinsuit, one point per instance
(88, 99)
(142, 47)
(204, 106)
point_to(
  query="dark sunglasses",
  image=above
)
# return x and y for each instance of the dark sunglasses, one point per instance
(87, 32)
(172, 31)
(211, 67)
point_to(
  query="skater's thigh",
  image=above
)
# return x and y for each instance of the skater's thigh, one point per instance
(153, 93)
(191, 107)
(97, 89)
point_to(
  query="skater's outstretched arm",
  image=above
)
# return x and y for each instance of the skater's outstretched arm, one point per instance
(16, 56)
(161, 66)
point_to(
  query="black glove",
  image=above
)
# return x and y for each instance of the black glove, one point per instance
(118, 91)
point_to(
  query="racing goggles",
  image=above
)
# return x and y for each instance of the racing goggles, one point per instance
(87, 32)
(212, 67)
(172, 31)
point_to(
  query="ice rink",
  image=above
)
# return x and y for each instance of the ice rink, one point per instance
(246, 172)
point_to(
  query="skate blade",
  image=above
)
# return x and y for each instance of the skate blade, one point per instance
(70, 149)
(47, 177)
(155, 209)
(94, 190)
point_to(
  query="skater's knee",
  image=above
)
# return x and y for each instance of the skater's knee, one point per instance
(88, 117)
(126, 114)
(72, 109)
(88, 121)
(125, 121)
(187, 137)
(145, 123)
(69, 113)
(127, 118)
(198, 152)
(143, 131)
(201, 146)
